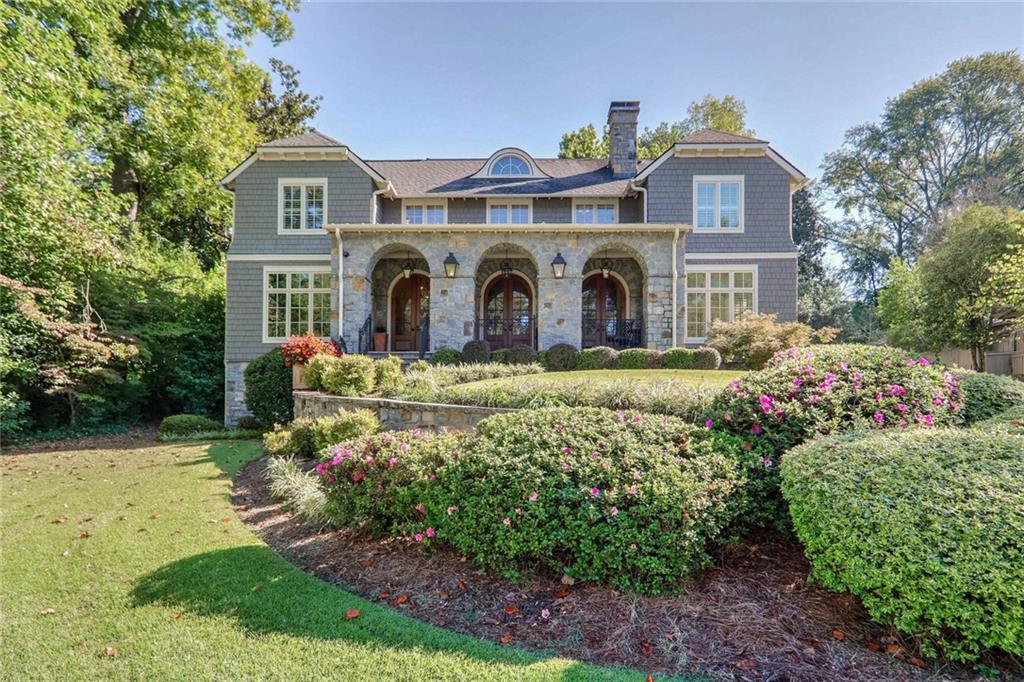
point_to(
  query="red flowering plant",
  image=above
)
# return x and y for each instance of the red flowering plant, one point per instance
(804, 392)
(299, 350)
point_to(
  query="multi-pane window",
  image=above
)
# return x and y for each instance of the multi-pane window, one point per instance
(298, 302)
(504, 213)
(718, 203)
(510, 164)
(599, 212)
(303, 204)
(424, 214)
(717, 295)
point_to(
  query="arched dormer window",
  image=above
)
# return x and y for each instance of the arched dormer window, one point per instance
(508, 164)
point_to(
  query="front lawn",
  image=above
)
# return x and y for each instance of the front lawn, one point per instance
(130, 563)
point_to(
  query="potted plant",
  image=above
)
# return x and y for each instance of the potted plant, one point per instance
(299, 350)
(380, 339)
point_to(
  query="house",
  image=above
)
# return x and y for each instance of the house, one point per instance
(511, 249)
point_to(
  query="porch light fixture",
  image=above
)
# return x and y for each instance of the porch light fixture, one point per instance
(506, 264)
(451, 266)
(407, 266)
(606, 265)
(558, 266)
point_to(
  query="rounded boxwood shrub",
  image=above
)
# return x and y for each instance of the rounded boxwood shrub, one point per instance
(679, 358)
(521, 355)
(630, 499)
(349, 375)
(804, 392)
(925, 526)
(380, 482)
(268, 389)
(305, 437)
(561, 357)
(706, 357)
(598, 357)
(187, 424)
(500, 356)
(476, 352)
(987, 395)
(633, 358)
(388, 375)
(446, 356)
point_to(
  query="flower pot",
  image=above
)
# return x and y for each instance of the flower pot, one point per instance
(380, 342)
(299, 378)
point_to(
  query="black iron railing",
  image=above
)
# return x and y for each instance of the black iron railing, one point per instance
(617, 332)
(424, 336)
(499, 332)
(365, 336)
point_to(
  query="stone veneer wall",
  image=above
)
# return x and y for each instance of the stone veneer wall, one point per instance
(395, 414)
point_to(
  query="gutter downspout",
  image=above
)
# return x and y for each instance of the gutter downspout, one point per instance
(388, 189)
(641, 191)
(675, 287)
(341, 283)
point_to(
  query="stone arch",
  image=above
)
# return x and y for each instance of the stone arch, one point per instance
(617, 249)
(384, 268)
(396, 251)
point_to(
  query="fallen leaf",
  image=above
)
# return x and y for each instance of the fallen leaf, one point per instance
(383, 595)
(462, 584)
(351, 613)
(47, 612)
(505, 639)
(175, 616)
(745, 664)
(838, 634)
(85, 534)
(442, 594)
(154, 516)
(561, 593)
(874, 646)
(568, 580)
(61, 519)
(368, 563)
(894, 650)
(650, 678)
(413, 605)
(917, 661)
(111, 651)
(511, 609)
(79, 642)
(647, 648)
(400, 599)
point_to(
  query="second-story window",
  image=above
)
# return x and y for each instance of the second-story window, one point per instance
(510, 164)
(508, 212)
(718, 203)
(424, 214)
(600, 211)
(302, 205)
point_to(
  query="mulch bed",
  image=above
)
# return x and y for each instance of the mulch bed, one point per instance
(753, 617)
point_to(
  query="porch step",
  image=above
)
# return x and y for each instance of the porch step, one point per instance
(407, 357)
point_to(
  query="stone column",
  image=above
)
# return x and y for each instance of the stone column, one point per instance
(658, 311)
(355, 307)
(451, 310)
(559, 311)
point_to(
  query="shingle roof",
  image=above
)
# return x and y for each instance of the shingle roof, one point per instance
(451, 177)
(314, 138)
(712, 136)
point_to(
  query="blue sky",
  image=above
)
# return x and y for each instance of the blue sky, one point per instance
(462, 80)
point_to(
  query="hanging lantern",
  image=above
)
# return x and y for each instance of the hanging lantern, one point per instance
(407, 266)
(606, 265)
(451, 266)
(506, 265)
(558, 266)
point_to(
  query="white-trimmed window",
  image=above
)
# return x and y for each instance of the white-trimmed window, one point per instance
(301, 205)
(718, 294)
(510, 165)
(424, 212)
(296, 301)
(718, 203)
(595, 211)
(509, 211)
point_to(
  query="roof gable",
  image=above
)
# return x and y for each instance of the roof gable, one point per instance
(712, 136)
(313, 138)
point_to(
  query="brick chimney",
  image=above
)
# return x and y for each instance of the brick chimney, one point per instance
(622, 120)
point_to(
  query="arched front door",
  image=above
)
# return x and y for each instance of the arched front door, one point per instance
(508, 312)
(603, 310)
(410, 304)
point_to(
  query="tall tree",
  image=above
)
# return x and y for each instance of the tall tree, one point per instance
(949, 140)
(283, 115)
(727, 114)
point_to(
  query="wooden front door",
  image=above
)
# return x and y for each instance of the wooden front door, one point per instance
(508, 313)
(603, 308)
(410, 303)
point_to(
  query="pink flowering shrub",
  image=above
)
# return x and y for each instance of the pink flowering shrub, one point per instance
(634, 500)
(381, 482)
(804, 392)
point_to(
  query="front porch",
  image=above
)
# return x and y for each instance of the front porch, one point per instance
(438, 287)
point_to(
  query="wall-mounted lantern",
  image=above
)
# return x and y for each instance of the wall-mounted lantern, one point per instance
(451, 266)
(558, 266)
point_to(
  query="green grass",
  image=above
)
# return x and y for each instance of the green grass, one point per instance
(712, 378)
(183, 590)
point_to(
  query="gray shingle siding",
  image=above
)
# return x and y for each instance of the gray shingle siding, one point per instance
(463, 211)
(552, 210)
(349, 191)
(765, 202)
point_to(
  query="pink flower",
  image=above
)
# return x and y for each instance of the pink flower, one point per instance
(727, 417)
(903, 423)
(767, 403)
(843, 366)
(897, 390)
(507, 521)
(756, 429)
(392, 461)
(419, 537)
(621, 415)
(632, 490)
(928, 420)
(567, 450)
(901, 407)
(421, 509)
(534, 496)
(767, 462)
(637, 417)
(358, 476)
(545, 614)
(734, 385)
(451, 509)
(632, 545)
(431, 532)
(709, 423)
(596, 492)
(518, 510)
(614, 511)
(431, 476)
(879, 418)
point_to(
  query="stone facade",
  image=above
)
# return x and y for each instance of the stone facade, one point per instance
(395, 414)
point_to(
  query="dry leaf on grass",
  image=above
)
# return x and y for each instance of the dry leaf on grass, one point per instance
(47, 612)
(111, 651)
(505, 639)
(351, 613)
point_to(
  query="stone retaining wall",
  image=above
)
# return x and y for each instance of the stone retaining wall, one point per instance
(395, 414)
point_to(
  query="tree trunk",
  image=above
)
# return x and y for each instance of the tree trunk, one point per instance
(978, 358)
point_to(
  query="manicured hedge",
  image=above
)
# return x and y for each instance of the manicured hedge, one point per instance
(388, 376)
(561, 357)
(187, 424)
(987, 395)
(825, 389)
(348, 375)
(521, 355)
(424, 384)
(679, 358)
(268, 389)
(305, 437)
(925, 526)
(706, 358)
(476, 352)
(598, 357)
(640, 358)
(633, 500)
(445, 356)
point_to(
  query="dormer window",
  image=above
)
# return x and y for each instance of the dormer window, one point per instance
(510, 164)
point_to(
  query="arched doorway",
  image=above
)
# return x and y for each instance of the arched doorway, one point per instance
(508, 312)
(410, 306)
(604, 305)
